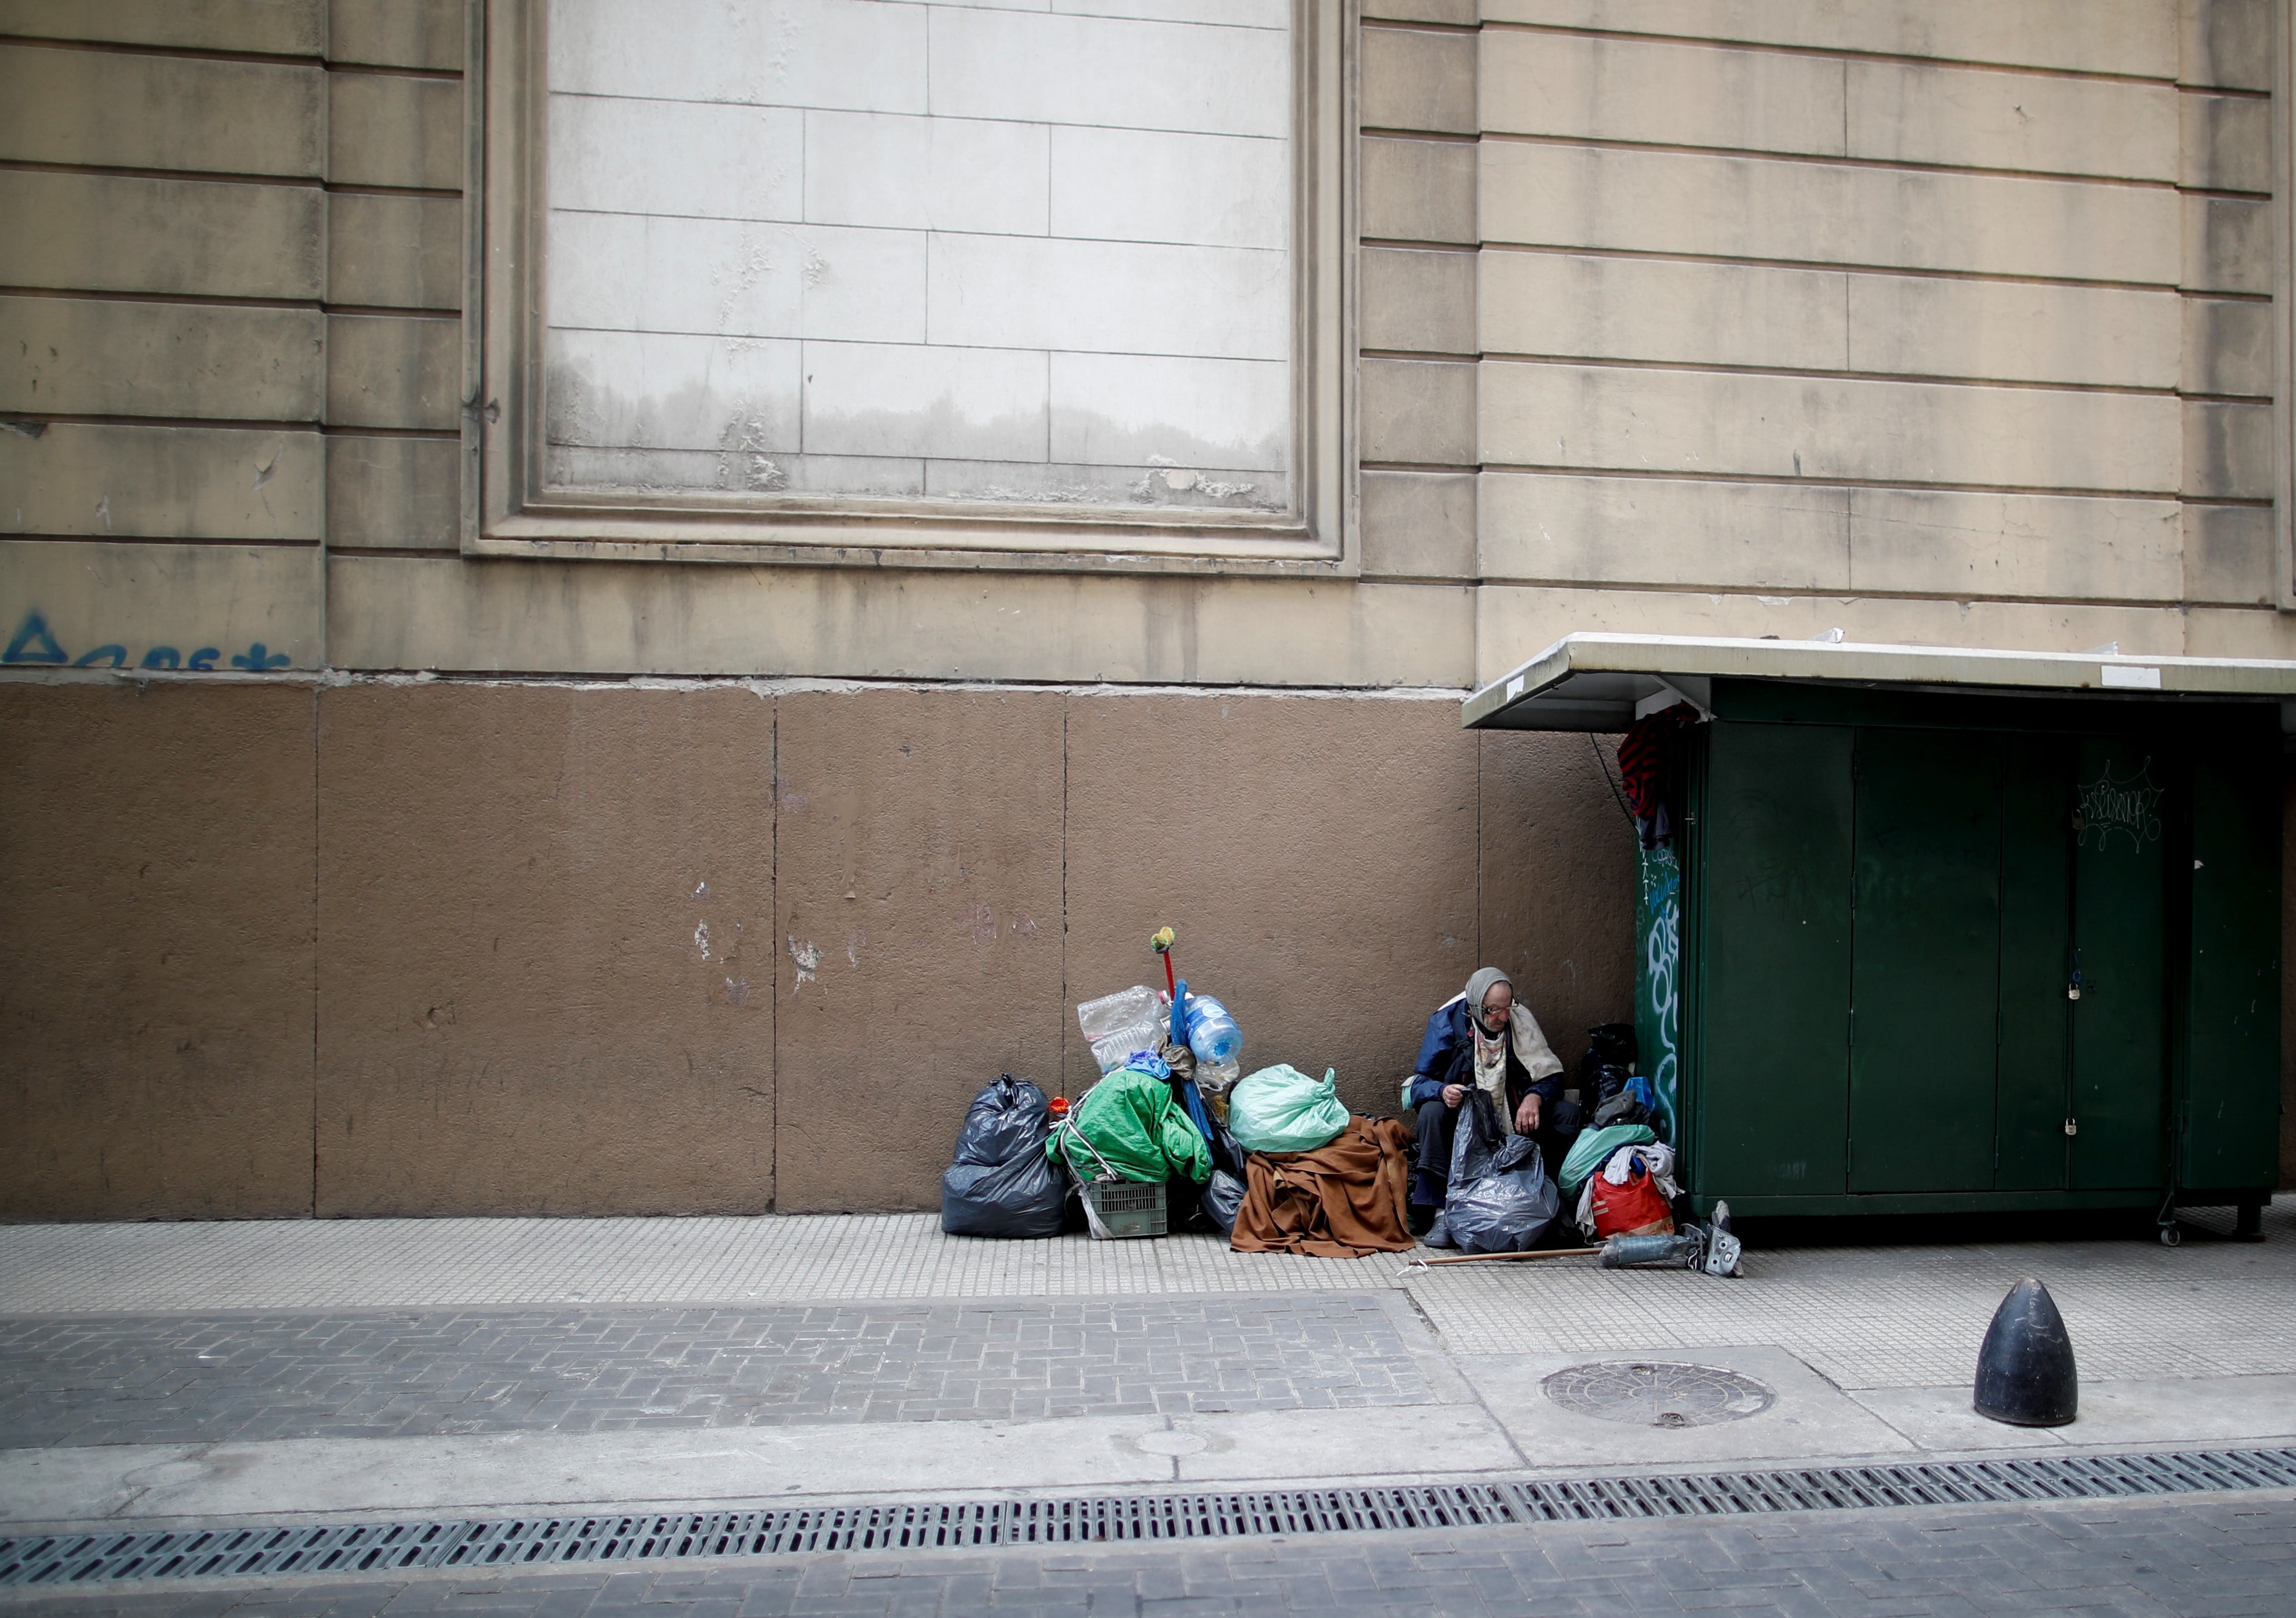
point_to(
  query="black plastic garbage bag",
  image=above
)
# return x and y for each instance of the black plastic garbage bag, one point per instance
(1227, 1156)
(1611, 1044)
(1004, 1120)
(1500, 1198)
(1022, 1198)
(1222, 1201)
(1002, 1183)
(1610, 1059)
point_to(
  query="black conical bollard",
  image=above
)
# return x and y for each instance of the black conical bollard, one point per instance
(2025, 1373)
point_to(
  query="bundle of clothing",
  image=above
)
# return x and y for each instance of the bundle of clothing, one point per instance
(1340, 1201)
(1633, 1194)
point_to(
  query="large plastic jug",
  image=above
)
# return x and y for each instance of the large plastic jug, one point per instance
(1212, 1033)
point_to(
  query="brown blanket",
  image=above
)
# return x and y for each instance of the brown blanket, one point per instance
(1341, 1202)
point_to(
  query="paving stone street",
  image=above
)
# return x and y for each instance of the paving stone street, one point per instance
(206, 1378)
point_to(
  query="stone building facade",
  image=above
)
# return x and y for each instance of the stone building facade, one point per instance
(610, 607)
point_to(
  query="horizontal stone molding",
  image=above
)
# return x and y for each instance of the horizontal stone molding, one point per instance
(113, 109)
(1661, 93)
(2137, 38)
(1813, 212)
(276, 28)
(227, 608)
(99, 232)
(1696, 312)
(82, 356)
(414, 612)
(1633, 419)
(206, 483)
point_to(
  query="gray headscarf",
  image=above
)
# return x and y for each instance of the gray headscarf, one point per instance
(1479, 985)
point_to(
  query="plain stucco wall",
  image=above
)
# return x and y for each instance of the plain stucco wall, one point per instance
(156, 969)
(520, 1010)
(920, 933)
(404, 947)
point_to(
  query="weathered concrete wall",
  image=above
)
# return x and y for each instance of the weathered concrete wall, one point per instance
(920, 929)
(546, 940)
(1317, 858)
(437, 946)
(156, 971)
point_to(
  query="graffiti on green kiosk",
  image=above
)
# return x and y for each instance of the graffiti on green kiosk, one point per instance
(1658, 1003)
(35, 644)
(2110, 805)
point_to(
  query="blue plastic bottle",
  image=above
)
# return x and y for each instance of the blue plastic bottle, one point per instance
(1212, 1033)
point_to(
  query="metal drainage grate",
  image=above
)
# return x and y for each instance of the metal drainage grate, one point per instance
(390, 1547)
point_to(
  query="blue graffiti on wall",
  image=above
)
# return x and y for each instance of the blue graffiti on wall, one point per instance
(36, 644)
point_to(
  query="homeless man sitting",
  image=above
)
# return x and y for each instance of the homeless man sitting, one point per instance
(1483, 1041)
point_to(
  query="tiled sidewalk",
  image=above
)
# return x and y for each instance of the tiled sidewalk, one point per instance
(494, 1263)
(1866, 1317)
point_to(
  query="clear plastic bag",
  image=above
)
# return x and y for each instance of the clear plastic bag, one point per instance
(1116, 1049)
(1113, 1013)
(1120, 1024)
(1218, 1078)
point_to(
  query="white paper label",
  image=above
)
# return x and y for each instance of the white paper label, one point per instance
(1514, 687)
(2133, 679)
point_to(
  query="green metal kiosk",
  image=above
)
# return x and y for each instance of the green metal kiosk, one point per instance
(1940, 929)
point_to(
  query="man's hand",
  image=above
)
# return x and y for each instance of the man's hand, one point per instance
(1526, 1116)
(1453, 1094)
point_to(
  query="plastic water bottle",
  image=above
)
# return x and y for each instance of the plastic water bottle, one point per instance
(1212, 1033)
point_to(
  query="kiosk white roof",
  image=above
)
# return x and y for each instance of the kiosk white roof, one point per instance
(1604, 682)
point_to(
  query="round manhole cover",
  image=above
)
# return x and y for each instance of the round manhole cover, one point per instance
(1656, 1394)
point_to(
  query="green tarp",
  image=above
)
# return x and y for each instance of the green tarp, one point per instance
(1129, 1119)
(1593, 1149)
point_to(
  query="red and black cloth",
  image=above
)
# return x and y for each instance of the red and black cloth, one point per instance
(1642, 768)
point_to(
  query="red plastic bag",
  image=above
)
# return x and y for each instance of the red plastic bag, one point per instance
(1637, 1208)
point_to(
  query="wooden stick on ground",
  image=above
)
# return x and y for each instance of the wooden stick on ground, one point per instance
(1480, 1258)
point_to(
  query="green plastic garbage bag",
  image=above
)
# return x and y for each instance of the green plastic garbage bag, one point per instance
(1593, 1149)
(1281, 1109)
(1129, 1123)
